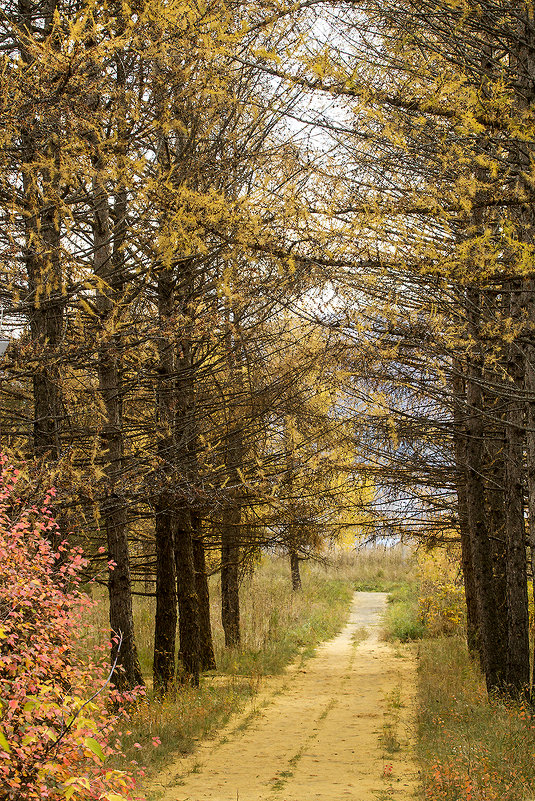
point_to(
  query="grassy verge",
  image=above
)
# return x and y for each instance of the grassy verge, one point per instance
(403, 620)
(470, 748)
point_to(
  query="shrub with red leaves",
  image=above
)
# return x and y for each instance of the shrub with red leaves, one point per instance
(55, 728)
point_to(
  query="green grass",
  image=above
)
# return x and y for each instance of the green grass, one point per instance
(469, 747)
(402, 620)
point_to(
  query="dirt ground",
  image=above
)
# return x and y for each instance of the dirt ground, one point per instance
(340, 727)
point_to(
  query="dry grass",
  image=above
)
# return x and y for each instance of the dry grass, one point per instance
(470, 748)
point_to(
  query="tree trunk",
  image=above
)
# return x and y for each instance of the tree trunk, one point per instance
(459, 420)
(475, 500)
(230, 588)
(163, 666)
(164, 506)
(188, 606)
(529, 353)
(518, 668)
(42, 222)
(113, 507)
(495, 483)
(294, 569)
(206, 655)
(232, 511)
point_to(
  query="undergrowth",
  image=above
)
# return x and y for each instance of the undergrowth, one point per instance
(402, 620)
(470, 748)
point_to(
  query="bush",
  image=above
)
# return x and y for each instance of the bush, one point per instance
(442, 604)
(53, 740)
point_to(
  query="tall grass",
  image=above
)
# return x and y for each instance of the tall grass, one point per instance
(471, 748)
(277, 623)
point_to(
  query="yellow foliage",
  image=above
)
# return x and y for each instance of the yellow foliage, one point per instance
(441, 601)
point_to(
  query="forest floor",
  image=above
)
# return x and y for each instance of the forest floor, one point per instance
(339, 725)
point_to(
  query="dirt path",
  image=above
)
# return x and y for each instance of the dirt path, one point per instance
(339, 728)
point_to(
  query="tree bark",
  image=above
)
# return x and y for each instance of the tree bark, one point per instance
(206, 654)
(230, 587)
(165, 623)
(113, 506)
(294, 569)
(232, 511)
(518, 668)
(461, 478)
(188, 606)
(42, 223)
(475, 499)
(495, 483)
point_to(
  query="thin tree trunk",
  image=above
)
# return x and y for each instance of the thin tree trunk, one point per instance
(206, 654)
(294, 569)
(164, 506)
(232, 511)
(230, 587)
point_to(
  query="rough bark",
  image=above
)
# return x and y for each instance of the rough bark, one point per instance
(165, 623)
(165, 523)
(459, 420)
(475, 500)
(113, 507)
(518, 668)
(232, 511)
(206, 649)
(188, 607)
(495, 483)
(529, 354)
(42, 222)
(230, 587)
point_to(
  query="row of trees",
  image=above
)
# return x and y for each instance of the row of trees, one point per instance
(442, 192)
(155, 238)
(265, 263)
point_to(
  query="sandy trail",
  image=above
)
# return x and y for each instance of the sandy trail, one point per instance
(339, 728)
